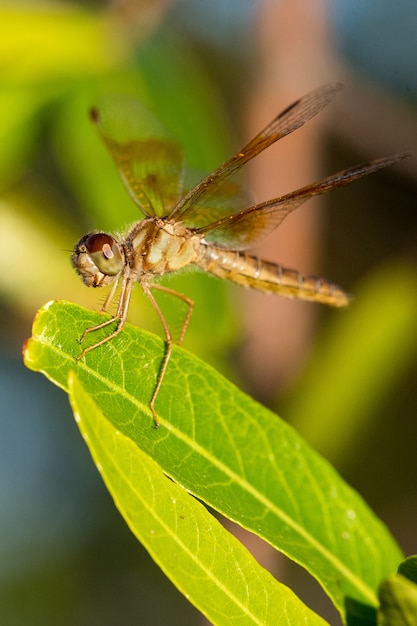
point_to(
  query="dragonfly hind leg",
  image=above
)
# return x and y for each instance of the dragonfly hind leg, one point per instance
(168, 336)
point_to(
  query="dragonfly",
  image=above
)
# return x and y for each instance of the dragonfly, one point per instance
(208, 227)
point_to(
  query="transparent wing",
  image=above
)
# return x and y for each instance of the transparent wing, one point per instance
(285, 123)
(150, 165)
(227, 199)
(247, 228)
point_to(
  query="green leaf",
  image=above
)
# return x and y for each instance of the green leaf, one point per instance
(398, 597)
(224, 448)
(408, 568)
(201, 557)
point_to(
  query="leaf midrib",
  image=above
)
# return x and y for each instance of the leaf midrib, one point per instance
(366, 591)
(357, 583)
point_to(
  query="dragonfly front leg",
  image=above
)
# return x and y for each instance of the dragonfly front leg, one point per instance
(120, 317)
(110, 297)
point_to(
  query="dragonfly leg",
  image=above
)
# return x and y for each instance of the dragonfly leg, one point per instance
(168, 336)
(188, 302)
(120, 317)
(110, 297)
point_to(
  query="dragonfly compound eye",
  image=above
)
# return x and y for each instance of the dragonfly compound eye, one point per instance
(98, 258)
(104, 251)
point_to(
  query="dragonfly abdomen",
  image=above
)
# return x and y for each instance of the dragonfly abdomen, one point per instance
(251, 271)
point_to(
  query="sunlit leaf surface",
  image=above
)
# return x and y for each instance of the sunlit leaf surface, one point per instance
(224, 448)
(202, 558)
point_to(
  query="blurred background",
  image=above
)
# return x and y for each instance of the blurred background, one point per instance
(215, 72)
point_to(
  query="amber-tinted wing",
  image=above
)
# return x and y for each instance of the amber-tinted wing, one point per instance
(285, 123)
(227, 199)
(246, 228)
(151, 166)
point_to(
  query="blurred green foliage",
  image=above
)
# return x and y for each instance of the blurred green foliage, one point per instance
(358, 363)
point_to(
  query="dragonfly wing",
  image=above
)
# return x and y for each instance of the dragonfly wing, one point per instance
(247, 228)
(285, 123)
(150, 165)
(226, 200)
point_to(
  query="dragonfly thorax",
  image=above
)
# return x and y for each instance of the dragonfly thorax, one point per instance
(155, 246)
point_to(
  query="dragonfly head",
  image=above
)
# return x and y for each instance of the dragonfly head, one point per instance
(98, 258)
